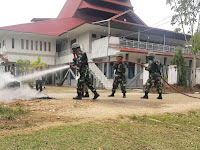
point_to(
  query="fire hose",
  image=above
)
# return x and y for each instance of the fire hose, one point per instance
(142, 65)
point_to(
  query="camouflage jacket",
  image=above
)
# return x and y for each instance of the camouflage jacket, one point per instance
(154, 66)
(120, 68)
(81, 61)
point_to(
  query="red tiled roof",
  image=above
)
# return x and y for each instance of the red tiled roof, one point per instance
(54, 27)
(87, 5)
(69, 9)
(146, 52)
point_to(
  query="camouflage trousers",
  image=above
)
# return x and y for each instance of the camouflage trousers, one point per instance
(84, 80)
(119, 79)
(156, 80)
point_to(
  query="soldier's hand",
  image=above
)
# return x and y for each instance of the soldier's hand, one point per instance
(72, 66)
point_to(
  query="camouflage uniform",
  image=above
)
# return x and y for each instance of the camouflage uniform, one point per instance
(119, 77)
(82, 66)
(154, 76)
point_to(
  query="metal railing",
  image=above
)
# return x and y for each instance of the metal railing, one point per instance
(151, 46)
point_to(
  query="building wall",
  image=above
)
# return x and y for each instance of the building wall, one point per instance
(16, 53)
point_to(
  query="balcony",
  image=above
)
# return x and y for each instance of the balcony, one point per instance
(151, 46)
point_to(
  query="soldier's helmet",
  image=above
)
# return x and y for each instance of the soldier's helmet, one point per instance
(75, 46)
(120, 55)
(151, 54)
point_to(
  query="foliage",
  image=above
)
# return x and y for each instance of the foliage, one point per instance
(195, 40)
(10, 113)
(38, 63)
(23, 66)
(170, 131)
(180, 62)
(186, 13)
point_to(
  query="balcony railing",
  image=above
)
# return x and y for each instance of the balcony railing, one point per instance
(151, 46)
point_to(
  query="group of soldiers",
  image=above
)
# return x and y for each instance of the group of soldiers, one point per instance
(80, 62)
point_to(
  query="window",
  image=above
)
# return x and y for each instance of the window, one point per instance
(31, 44)
(103, 36)
(94, 36)
(72, 42)
(0, 45)
(190, 63)
(49, 46)
(22, 44)
(45, 46)
(131, 70)
(165, 61)
(3, 43)
(40, 45)
(111, 70)
(27, 44)
(13, 43)
(36, 45)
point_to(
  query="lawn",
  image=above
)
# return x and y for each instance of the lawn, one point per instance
(170, 131)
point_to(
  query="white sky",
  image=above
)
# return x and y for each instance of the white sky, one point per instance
(22, 11)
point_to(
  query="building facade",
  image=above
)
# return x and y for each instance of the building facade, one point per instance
(103, 28)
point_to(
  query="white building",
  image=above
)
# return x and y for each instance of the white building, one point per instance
(104, 28)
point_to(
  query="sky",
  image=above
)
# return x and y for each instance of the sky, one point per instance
(14, 12)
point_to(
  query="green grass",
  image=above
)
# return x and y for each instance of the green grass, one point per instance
(11, 113)
(136, 132)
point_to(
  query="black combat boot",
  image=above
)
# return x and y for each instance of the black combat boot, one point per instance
(160, 96)
(145, 96)
(112, 95)
(86, 95)
(78, 97)
(96, 95)
(124, 95)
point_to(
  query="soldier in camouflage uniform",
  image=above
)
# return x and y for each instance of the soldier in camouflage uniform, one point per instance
(154, 76)
(119, 77)
(81, 64)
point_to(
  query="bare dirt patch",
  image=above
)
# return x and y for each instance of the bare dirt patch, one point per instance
(64, 110)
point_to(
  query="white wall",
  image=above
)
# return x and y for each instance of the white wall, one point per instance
(16, 53)
(100, 47)
(172, 74)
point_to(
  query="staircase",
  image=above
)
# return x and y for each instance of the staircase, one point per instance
(99, 75)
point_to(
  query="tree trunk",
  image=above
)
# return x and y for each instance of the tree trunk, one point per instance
(194, 72)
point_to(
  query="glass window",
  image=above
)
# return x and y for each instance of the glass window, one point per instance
(31, 44)
(49, 46)
(131, 70)
(94, 36)
(103, 36)
(22, 44)
(13, 43)
(111, 70)
(0, 45)
(3, 42)
(27, 44)
(45, 46)
(40, 45)
(36, 45)
(165, 61)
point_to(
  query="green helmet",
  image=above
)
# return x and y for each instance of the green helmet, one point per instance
(120, 55)
(75, 45)
(151, 54)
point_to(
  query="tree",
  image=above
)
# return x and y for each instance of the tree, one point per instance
(23, 66)
(187, 15)
(178, 60)
(38, 63)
